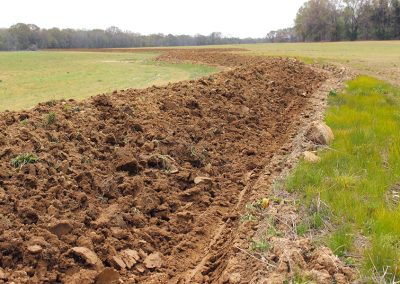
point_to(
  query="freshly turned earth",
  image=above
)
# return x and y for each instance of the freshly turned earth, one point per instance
(134, 184)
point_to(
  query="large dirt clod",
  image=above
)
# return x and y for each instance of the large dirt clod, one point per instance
(90, 258)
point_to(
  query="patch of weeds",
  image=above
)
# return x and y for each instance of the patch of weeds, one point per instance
(24, 121)
(67, 107)
(383, 257)
(253, 206)
(51, 118)
(272, 231)
(350, 261)
(258, 205)
(24, 159)
(317, 221)
(344, 181)
(51, 103)
(76, 109)
(198, 158)
(282, 185)
(260, 245)
(302, 228)
(341, 241)
(333, 93)
(248, 217)
(299, 278)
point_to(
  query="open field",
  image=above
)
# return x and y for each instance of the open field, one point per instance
(176, 183)
(376, 58)
(27, 78)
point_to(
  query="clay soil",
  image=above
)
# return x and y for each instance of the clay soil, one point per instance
(145, 186)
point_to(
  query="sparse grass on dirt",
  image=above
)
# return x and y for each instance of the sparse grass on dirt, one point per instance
(357, 180)
(51, 118)
(27, 78)
(24, 159)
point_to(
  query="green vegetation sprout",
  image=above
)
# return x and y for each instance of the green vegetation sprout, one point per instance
(260, 245)
(51, 118)
(24, 159)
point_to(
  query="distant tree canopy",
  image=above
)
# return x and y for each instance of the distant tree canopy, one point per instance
(316, 20)
(334, 20)
(31, 37)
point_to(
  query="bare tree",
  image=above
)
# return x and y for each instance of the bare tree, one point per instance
(352, 12)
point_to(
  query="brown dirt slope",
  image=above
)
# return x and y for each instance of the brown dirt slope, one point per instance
(143, 181)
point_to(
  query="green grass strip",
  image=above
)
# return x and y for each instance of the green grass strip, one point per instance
(358, 179)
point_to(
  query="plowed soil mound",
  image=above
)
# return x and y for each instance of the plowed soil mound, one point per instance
(210, 57)
(140, 180)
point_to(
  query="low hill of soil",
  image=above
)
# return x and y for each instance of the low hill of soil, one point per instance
(134, 185)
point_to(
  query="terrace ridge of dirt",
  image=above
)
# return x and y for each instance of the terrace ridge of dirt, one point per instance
(149, 186)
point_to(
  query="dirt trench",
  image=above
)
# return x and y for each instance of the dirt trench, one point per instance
(146, 186)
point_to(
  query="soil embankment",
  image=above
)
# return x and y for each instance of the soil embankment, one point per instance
(144, 181)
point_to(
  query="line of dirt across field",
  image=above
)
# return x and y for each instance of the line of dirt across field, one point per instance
(146, 186)
(153, 49)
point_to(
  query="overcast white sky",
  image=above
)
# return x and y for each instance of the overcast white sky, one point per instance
(240, 18)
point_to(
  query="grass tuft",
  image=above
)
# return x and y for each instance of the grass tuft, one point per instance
(24, 159)
(51, 118)
(260, 245)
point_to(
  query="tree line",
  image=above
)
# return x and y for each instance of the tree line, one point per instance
(30, 37)
(316, 20)
(336, 20)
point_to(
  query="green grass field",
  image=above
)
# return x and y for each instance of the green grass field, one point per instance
(27, 78)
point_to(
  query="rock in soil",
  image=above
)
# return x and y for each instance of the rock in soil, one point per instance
(154, 260)
(310, 157)
(320, 133)
(108, 276)
(90, 258)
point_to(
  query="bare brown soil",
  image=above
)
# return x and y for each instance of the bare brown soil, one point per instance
(147, 186)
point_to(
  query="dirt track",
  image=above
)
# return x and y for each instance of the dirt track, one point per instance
(150, 182)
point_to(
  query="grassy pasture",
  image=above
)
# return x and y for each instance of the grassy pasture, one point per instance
(27, 78)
